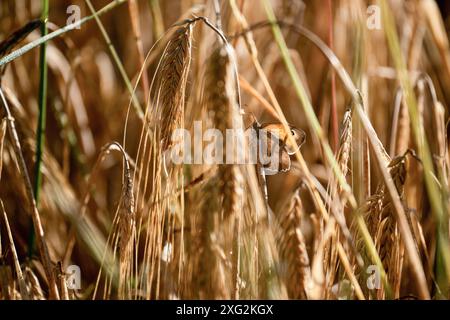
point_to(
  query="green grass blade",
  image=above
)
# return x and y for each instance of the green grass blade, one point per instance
(40, 132)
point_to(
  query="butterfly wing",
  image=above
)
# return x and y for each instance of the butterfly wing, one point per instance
(299, 136)
(283, 164)
(278, 130)
(272, 137)
(285, 161)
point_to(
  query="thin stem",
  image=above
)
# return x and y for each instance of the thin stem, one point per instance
(117, 60)
(22, 285)
(157, 19)
(334, 119)
(38, 229)
(218, 14)
(133, 9)
(40, 131)
(21, 51)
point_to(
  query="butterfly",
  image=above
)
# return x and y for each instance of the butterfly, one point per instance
(275, 147)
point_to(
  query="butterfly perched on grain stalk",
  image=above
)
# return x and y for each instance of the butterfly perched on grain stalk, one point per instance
(274, 146)
(271, 142)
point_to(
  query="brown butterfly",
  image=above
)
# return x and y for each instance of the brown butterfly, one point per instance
(274, 147)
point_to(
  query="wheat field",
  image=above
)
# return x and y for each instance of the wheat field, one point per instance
(94, 94)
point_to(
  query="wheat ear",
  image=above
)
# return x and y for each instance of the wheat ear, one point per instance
(293, 248)
(223, 106)
(174, 72)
